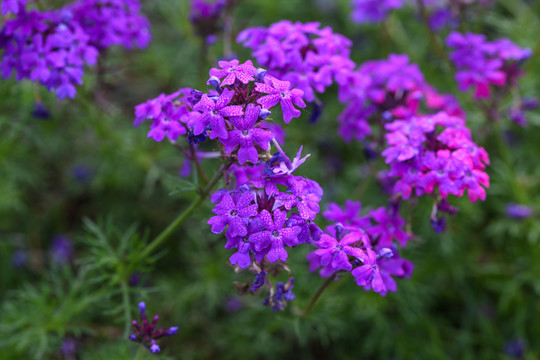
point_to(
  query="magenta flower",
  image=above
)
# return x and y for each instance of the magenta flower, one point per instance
(231, 71)
(279, 92)
(213, 113)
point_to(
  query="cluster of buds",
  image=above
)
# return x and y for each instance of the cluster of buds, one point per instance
(146, 333)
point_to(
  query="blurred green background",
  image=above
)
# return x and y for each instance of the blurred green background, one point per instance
(474, 288)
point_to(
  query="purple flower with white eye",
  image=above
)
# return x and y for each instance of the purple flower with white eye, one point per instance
(232, 212)
(231, 71)
(309, 231)
(213, 113)
(275, 236)
(169, 123)
(280, 92)
(369, 273)
(146, 333)
(247, 136)
(336, 253)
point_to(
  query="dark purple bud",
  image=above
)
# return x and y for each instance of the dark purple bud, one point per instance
(519, 212)
(61, 249)
(260, 279)
(515, 348)
(172, 330)
(142, 308)
(260, 74)
(517, 116)
(133, 337)
(385, 253)
(439, 224)
(369, 151)
(339, 229)
(264, 114)
(316, 111)
(40, 112)
(215, 82)
(387, 116)
(529, 104)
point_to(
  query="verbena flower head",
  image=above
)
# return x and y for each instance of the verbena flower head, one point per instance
(206, 16)
(373, 11)
(363, 246)
(52, 47)
(113, 22)
(435, 153)
(306, 56)
(146, 333)
(383, 90)
(482, 64)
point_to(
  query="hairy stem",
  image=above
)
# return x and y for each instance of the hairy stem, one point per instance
(319, 293)
(195, 160)
(184, 215)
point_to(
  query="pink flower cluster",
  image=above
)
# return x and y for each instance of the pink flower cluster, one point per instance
(435, 154)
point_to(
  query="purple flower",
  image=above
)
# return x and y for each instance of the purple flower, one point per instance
(275, 236)
(369, 274)
(336, 253)
(231, 71)
(389, 226)
(283, 294)
(246, 136)
(233, 212)
(260, 279)
(12, 6)
(279, 92)
(519, 212)
(372, 11)
(213, 113)
(61, 249)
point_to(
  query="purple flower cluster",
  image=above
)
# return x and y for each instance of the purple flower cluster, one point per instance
(206, 16)
(382, 90)
(232, 112)
(52, 47)
(113, 22)
(482, 64)
(373, 11)
(309, 57)
(435, 152)
(269, 212)
(146, 333)
(363, 246)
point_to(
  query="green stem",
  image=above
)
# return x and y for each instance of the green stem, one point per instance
(139, 353)
(195, 160)
(506, 156)
(318, 294)
(127, 307)
(432, 37)
(184, 215)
